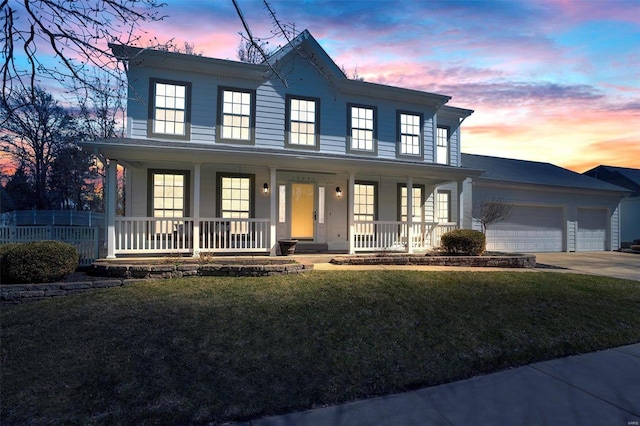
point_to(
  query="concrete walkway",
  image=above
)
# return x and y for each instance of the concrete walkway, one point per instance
(600, 388)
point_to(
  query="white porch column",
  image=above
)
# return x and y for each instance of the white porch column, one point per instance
(409, 214)
(350, 211)
(273, 187)
(110, 206)
(196, 210)
(460, 185)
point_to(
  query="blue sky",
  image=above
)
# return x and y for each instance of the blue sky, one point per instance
(549, 80)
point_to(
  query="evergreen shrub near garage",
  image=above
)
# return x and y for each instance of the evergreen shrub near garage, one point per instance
(464, 242)
(37, 262)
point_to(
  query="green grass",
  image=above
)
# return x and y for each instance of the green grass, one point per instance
(204, 350)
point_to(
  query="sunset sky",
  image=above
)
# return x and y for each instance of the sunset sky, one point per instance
(550, 80)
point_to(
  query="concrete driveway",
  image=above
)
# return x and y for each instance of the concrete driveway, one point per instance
(607, 263)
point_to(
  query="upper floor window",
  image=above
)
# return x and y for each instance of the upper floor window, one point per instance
(169, 109)
(168, 193)
(303, 122)
(362, 128)
(442, 145)
(443, 206)
(236, 115)
(410, 134)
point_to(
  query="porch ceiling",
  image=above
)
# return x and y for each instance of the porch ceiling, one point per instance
(132, 151)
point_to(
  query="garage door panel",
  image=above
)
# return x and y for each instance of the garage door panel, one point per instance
(592, 230)
(528, 229)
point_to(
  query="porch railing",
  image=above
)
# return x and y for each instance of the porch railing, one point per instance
(83, 238)
(392, 235)
(176, 235)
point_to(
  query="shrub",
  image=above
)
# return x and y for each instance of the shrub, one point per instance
(37, 262)
(464, 242)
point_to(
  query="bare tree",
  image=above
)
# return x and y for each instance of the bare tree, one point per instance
(248, 52)
(35, 127)
(490, 211)
(76, 32)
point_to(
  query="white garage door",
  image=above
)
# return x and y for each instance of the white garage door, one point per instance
(592, 230)
(528, 229)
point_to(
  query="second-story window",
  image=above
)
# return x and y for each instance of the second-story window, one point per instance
(442, 145)
(362, 128)
(169, 109)
(303, 122)
(236, 115)
(409, 134)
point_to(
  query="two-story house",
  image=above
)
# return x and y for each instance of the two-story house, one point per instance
(226, 156)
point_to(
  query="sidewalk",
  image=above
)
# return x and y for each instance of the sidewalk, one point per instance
(599, 388)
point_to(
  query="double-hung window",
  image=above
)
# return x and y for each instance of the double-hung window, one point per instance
(236, 115)
(443, 206)
(235, 200)
(169, 109)
(303, 122)
(364, 208)
(362, 128)
(168, 197)
(417, 203)
(442, 145)
(409, 134)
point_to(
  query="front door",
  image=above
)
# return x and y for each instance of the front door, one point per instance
(302, 211)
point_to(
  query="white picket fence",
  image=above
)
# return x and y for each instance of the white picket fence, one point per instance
(83, 238)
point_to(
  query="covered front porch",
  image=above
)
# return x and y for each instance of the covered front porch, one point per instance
(220, 201)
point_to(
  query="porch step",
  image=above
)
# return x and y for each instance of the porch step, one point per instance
(302, 248)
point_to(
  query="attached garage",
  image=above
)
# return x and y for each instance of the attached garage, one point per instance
(528, 229)
(592, 230)
(553, 209)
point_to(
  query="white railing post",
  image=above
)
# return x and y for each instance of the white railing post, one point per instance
(409, 248)
(112, 182)
(350, 212)
(195, 238)
(272, 212)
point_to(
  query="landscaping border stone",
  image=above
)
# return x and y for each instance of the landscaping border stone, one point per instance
(117, 275)
(496, 261)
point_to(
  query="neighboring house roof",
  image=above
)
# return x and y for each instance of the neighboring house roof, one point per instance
(532, 172)
(621, 176)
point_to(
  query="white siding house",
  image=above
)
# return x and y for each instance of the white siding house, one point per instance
(224, 156)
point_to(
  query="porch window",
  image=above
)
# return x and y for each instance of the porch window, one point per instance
(169, 190)
(169, 109)
(236, 115)
(417, 203)
(303, 122)
(410, 134)
(442, 145)
(235, 200)
(443, 206)
(362, 128)
(364, 209)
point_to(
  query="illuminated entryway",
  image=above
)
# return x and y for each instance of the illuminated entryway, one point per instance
(302, 211)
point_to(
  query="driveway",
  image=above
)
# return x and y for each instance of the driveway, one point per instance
(607, 263)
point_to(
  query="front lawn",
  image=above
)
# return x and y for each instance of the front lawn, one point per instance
(202, 350)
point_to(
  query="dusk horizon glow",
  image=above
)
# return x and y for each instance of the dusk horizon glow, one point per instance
(553, 81)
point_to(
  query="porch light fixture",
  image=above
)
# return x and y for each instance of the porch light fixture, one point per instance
(338, 192)
(265, 188)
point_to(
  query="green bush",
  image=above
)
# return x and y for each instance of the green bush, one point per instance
(464, 242)
(37, 262)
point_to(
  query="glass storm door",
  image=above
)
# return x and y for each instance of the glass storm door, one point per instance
(302, 211)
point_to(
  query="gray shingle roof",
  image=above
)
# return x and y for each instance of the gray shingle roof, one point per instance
(531, 172)
(633, 175)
